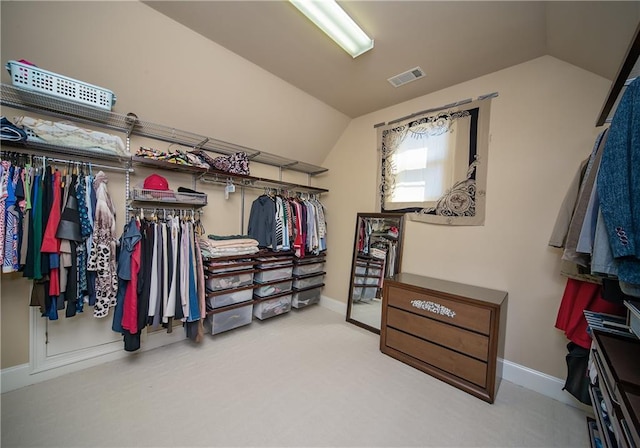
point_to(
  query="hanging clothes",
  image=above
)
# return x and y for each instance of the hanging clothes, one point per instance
(13, 220)
(579, 296)
(619, 188)
(5, 165)
(102, 258)
(280, 223)
(50, 242)
(262, 225)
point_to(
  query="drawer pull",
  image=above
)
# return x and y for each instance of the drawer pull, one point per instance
(433, 307)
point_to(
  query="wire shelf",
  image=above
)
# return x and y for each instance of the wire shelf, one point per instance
(24, 99)
(168, 196)
(31, 146)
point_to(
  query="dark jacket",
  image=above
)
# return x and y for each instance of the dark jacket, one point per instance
(262, 224)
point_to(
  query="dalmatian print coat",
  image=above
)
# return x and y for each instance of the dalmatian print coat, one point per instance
(102, 257)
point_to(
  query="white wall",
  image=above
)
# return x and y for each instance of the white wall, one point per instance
(542, 126)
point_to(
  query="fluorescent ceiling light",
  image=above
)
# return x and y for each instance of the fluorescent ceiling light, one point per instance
(334, 21)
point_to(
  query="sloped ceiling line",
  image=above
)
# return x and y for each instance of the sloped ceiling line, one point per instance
(452, 41)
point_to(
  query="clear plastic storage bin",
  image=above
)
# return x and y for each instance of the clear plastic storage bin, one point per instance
(364, 293)
(307, 268)
(273, 262)
(270, 275)
(308, 282)
(306, 297)
(218, 267)
(267, 308)
(371, 271)
(231, 297)
(311, 259)
(269, 289)
(366, 280)
(229, 280)
(225, 320)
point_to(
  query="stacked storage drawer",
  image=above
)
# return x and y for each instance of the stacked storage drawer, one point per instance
(367, 279)
(229, 284)
(308, 278)
(272, 286)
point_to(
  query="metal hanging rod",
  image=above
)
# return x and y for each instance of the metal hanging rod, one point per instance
(166, 211)
(91, 164)
(260, 184)
(435, 109)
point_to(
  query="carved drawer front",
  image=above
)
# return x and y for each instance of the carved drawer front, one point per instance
(449, 361)
(467, 342)
(462, 314)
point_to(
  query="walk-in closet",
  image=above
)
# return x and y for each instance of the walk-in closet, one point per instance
(223, 226)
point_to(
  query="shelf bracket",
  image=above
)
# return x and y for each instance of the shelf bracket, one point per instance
(130, 120)
(202, 143)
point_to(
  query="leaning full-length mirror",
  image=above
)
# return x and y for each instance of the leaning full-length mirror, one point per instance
(377, 254)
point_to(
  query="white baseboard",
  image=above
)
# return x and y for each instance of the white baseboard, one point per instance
(22, 375)
(15, 377)
(334, 305)
(542, 383)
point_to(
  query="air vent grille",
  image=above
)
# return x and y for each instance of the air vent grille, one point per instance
(406, 77)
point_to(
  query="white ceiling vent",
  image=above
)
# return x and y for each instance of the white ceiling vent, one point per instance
(408, 76)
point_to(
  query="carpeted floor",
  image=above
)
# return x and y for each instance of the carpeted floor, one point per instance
(306, 378)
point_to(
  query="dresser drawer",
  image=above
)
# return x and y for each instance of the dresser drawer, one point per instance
(449, 330)
(451, 311)
(449, 361)
(467, 342)
(631, 411)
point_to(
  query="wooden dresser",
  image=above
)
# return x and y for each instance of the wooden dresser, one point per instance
(616, 394)
(452, 331)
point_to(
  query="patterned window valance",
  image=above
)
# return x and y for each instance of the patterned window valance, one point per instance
(433, 167)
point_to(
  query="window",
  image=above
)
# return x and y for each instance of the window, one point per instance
(434, 166)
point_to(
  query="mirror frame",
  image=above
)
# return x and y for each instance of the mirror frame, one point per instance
(388, 215)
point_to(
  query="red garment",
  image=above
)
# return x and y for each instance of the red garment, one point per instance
(54, 282)
(130, 308)
(51, 244)
(299, 241)
(579, 296)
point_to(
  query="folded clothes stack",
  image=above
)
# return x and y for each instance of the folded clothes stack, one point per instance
(10, 132)
(217, 246)
(178, 157)
(64, 133)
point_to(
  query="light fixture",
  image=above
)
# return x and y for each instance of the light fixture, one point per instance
(333, 20)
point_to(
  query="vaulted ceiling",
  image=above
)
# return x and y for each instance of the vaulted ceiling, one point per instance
(452, 41)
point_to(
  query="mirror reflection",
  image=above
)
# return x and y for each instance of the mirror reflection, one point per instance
(377, 254)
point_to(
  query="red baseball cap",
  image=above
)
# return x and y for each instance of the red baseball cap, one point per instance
(156, 182)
